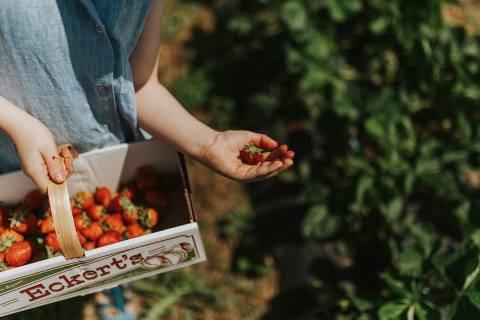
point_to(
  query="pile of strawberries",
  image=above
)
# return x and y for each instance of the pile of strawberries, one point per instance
(27, 232)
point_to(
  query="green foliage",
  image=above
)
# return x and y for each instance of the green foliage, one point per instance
(380, 101)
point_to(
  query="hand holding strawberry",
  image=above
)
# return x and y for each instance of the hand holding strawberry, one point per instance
(222, 155)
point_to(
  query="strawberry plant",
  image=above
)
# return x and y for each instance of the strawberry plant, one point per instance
(379, 99)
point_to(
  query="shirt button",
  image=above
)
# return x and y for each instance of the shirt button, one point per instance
(99, 28)
(102, 89)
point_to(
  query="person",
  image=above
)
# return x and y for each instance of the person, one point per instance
(83, 72)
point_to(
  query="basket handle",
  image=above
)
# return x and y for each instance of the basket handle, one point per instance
(63, 219)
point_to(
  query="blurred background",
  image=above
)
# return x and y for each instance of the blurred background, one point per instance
(379, 218)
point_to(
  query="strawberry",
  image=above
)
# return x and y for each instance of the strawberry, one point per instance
(2, 257)
(93, 231)
(130, 191)
(123, 204)
(46, 225)
(35, 200)
(81, 221)
(155, 198)
(19, 254)
(134, 230)
(89, 245)
(146, 178)
(130, 217)
(3, 216)
(8, 237)
(148, 217)
(81, 238)
(251, 154)
(108, 238)
(114, 222)
(23, 220)
(115, 205)
(76, 208)
(84, 200)
(103, 196)
(52, 241)
(96, 212)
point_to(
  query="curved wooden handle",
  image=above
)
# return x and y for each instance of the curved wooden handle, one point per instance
(63, 220)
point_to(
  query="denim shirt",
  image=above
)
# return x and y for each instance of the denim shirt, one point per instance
(65, 62)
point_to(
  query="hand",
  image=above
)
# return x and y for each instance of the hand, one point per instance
(38, 154)
(221, 155)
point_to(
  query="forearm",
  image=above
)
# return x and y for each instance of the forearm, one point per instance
(12, 118)
(161, 115)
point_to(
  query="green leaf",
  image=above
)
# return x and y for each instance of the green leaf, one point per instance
(456, 267)
(410, 262)
(378, 25)
(393, 208)
(462, 309)
(464, 129)
(294, 15)
(476, 237)
(394, 284)
(319, 224)
(392, 310)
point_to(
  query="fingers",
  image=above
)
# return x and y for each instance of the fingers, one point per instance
(267, 169)
(290, 154)
(55, 165)
(263, 141)
(67, 159)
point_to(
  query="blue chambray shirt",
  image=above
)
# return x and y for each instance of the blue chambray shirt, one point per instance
(66, 63)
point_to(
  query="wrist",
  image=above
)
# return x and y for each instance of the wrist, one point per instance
(201, 143)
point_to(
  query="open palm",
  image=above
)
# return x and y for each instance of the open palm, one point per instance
(222, 153)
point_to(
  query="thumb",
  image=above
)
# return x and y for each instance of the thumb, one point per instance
(55, 165)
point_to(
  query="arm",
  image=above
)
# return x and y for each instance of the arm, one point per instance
(34, 143)
(161, 115)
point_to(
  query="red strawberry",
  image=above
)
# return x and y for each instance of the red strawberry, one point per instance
(96, 212)
(81, 238)
(103, 196)
(93, 231)
(134, 230)
(146, 178)
(35, 200)
(155, 198)
(148, 217)
(89, 245)
(81, 221)
(10, 235)
(131, 217)
(115, 205)
(130, 191)
(108, 238)
(251, 154)
(23, 220)
(46, 225)
(3, 216)
(52, 241)
(76, 207)
(84, 200)
(114, 222)
(19, 254)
